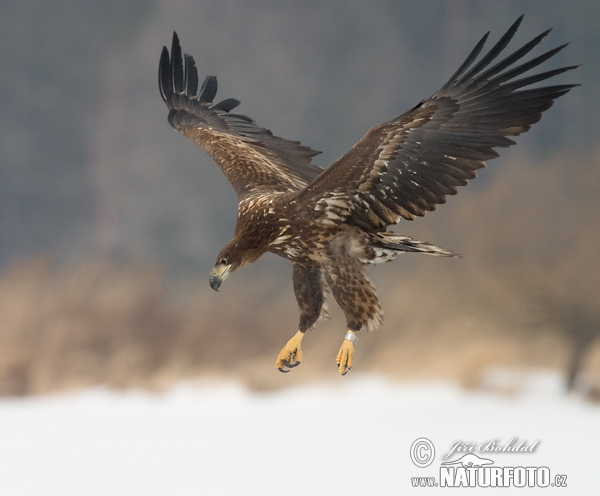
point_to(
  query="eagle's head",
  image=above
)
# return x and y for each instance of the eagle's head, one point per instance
(250, 241)
(221, 271)
(232, 257)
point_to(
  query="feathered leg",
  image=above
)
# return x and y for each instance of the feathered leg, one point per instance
(356, 296)
(308, 288)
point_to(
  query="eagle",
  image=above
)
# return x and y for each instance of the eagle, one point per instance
(332, 223)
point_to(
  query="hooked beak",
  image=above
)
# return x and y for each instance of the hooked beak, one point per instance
(218, 275)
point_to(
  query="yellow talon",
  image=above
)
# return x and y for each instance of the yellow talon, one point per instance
(291, 354)
(344, 356)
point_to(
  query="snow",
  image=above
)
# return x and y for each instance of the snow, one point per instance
(348, 437)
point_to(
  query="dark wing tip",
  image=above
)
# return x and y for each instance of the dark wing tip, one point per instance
(177, 72)
(208, 90)
(177, 65)
(226, 105)
(467, 63)
(498, 47)
(164, 74)
(190, 75)
(515, 25)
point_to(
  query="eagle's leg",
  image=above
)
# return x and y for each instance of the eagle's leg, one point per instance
(308, 288)
(356, 296)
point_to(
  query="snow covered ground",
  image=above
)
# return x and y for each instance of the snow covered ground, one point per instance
(347, 437)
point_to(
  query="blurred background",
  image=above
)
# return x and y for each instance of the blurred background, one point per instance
(110, 221)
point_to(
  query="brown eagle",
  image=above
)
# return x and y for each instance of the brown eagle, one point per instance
(332, 223)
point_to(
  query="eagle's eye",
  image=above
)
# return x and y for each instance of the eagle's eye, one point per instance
(223, 261)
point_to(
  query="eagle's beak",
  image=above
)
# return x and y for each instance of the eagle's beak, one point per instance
(218, 275)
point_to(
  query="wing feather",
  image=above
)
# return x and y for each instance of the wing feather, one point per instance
(252, 158)
(407, 166)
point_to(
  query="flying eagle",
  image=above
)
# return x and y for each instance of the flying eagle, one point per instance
(332, 223)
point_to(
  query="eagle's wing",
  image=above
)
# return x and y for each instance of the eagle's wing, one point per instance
(252, 158)
(405, 167)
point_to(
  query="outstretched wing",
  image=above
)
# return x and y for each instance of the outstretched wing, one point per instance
(250, 156)
(405, 167)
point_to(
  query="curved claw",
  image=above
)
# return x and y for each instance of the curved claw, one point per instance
(287, 365)
(291, 354)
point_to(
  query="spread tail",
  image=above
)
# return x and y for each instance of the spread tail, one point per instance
(405, 243)
(384, 247)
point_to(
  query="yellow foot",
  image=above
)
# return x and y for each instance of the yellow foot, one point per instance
(344, 356)
(291, 355)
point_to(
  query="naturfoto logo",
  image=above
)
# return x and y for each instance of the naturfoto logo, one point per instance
(472, 470)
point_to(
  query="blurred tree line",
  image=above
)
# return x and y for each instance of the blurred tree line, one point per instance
(89, 164)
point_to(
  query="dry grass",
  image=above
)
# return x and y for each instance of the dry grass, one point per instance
(126, 327)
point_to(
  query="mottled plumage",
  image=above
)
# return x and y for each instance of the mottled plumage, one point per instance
(332, 223)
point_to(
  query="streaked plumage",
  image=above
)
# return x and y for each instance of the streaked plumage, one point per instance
(332, 223)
